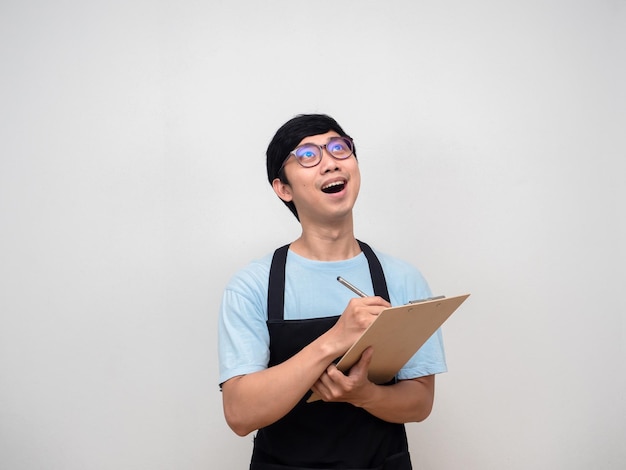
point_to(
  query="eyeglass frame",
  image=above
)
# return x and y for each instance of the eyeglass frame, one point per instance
(345, 138)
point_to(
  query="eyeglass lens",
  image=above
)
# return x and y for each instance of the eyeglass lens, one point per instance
(311, 154)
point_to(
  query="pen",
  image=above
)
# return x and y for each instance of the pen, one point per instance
(351, 287)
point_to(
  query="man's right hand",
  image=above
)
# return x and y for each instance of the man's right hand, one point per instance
(355, 319)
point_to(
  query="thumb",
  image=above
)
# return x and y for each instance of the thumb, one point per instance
(363, 365)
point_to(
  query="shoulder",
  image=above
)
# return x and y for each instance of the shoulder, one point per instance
(252, 278)
(394, 265)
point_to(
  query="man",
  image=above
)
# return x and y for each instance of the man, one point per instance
(284, 319)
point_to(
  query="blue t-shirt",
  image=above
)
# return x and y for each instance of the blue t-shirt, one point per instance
(311, 291)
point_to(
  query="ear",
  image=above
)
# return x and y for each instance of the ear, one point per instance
(282, 190)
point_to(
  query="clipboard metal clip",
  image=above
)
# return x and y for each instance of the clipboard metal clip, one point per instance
(426, 299)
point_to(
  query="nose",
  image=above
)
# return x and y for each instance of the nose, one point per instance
(328, 162)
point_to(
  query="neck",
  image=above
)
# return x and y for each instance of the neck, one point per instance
(327, 243)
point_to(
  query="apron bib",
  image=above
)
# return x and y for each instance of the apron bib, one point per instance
(322, 435)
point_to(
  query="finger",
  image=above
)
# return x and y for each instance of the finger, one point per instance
(376, 301)
(366, 357)
(362, 366)
(320, 388)
(331, 377)
(332, 374)
(325, 386)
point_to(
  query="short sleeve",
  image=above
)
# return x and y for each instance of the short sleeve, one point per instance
(243, 338)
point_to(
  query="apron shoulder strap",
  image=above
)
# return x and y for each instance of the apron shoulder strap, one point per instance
(376, 271)
(276, 287)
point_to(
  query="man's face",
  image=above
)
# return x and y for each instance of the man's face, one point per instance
(323, 193)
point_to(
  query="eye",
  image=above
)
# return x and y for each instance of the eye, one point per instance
(338, 147)
(307, 152)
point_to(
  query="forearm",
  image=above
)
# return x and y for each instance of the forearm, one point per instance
(403, 402)
(256, 400)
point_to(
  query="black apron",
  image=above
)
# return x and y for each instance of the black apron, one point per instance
(322, 435)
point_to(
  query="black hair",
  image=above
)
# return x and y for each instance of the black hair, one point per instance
(291, 134)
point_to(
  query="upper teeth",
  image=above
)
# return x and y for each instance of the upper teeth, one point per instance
(330, 185)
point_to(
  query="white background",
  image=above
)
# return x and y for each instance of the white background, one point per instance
(132, 186)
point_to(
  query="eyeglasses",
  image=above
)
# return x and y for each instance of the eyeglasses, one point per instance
(310, 155)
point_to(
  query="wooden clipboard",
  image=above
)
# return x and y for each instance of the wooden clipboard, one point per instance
(397, 334)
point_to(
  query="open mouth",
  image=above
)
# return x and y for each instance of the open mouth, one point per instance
(334, 187)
